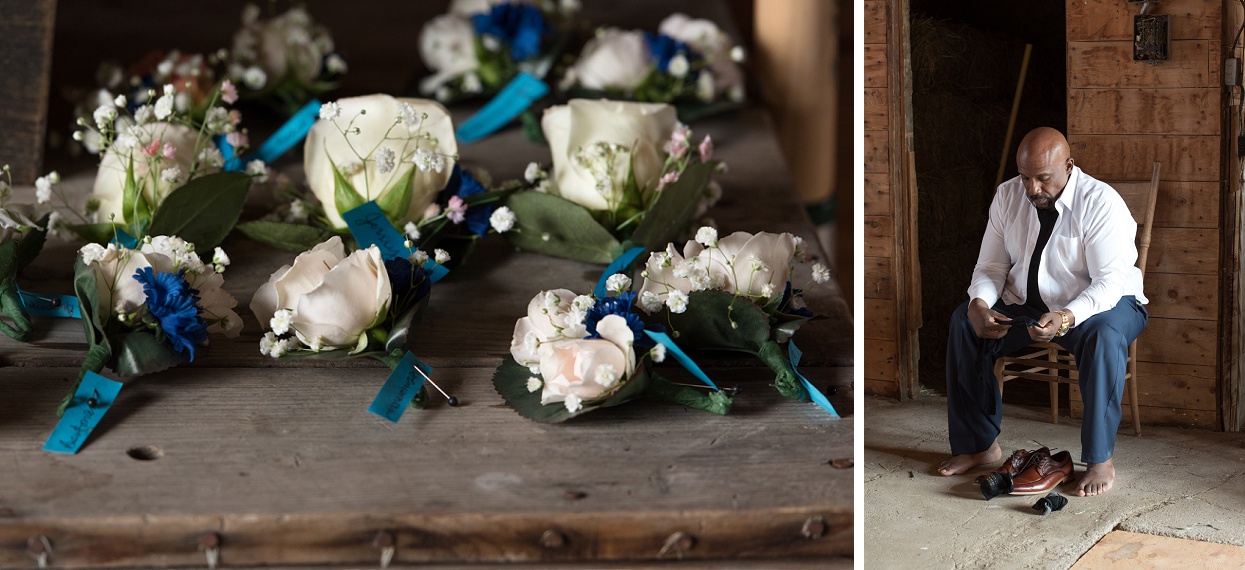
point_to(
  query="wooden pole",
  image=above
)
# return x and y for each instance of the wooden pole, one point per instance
(1011, 122)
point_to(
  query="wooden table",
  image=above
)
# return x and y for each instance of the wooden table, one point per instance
(281, 464)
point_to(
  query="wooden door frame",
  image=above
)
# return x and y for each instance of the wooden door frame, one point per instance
(902, 176)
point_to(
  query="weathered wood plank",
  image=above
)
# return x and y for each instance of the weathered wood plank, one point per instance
(1182, 296)
(1157, 416)
(1179, 204)
(875, 65)
(878, 195)
(1098, 20)
(25, 71)
(880, 319)
(1178, 341)
(879, 236)
(879, 282)
(1184, 250)
(1111, 65)
(1192, 111)
(1131, 157)
(875, 12)
(881, 360)
(877, 152)
(1172, 386)
(877, 108)
(882, 388)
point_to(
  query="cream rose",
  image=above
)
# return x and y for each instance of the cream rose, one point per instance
(551, 316)
(614, 59)
(289, 42)
(119, 291)
(592, 142)
(447, 46)
(334, 298)
(742, 263)
(588, 370)
(706, 37)
(145, 145)
(325, 141)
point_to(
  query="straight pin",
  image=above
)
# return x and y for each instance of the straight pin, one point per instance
(733, 390)
(451, 400)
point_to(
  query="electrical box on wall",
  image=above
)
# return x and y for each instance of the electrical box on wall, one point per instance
(1151, 37)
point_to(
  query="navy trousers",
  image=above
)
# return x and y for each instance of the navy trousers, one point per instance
(1100, 346)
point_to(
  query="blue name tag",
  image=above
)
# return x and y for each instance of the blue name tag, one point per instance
(515, 98)
(94, 396)
(369, 226)
(402, 385)
(122, 239)
(820, 399)
(674, 350)
(616, 267)
(50, 305)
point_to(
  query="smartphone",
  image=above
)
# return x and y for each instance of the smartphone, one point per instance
(1025, 321)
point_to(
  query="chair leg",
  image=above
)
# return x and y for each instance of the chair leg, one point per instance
(1053, 356)
(1131, 386)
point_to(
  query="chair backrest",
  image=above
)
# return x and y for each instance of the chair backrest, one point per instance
(1141, 197)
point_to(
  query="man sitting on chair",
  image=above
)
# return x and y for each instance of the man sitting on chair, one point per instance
(1059, 248)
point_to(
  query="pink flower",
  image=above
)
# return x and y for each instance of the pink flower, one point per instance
(706, 149)
(237, 139)
(676, 148)
(432, 211)
(228, 93)
(168, 152)
(152, 149)
(456, 211)
(235, 117)
(681, 133)
(669, 178)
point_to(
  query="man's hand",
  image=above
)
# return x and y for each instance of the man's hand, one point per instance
(1050, 323)
(986, 321)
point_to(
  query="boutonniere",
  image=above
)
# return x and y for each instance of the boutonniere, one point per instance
(151, 307)
(284, 60)
(21, 238)
(624, 174)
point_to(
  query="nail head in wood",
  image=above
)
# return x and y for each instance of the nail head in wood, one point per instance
(814, 527)
(384, 539)
(37, 545)
(552, 539)
(209, 540)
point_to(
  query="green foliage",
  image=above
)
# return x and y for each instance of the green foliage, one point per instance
(289, 237)
(202, 211)
(395, 201)
(345, 197)
(555, 226)
(673, 209)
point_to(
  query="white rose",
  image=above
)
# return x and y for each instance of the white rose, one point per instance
(709, 40)
(591, 369)
(110, 180)
(614, 59)
(447, 46)
(325, 141)
(755, 261)
(285, 44)
(335, 298)
(640, 127)
(660, 278)
(548, 319)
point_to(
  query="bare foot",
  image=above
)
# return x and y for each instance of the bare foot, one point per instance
(960, 463)
(1097, 480)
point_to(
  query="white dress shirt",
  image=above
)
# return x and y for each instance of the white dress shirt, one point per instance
(1088, 264)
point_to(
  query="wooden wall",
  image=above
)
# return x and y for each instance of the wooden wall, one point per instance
(1122, 116)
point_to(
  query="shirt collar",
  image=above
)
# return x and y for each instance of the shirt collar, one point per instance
(1067, 198)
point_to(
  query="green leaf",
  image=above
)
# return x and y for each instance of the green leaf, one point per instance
(775, 358)
(202, 211)
(87, 291)
(401, 327)
(396, 200)
(289, 237)
(670, 213)
(139, 353)
(30, 245)
(717, 320)
(570, 229)
(510, 380)
(345, 197)
(95, 233)
(716, 402)
(134, 204)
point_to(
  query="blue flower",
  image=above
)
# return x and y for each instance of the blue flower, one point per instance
(463, 184)
(621, 306)
(175, 305)
(520, 26)
(663, 48)
(408, 283)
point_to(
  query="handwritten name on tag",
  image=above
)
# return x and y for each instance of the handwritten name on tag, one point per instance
(369, 226)
(401, 386)
(90, 402)
(50, 305)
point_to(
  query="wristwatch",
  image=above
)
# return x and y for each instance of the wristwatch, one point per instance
(1063, 328)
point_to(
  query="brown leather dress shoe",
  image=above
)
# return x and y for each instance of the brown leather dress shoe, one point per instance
(1044, 472)
(1014, 464)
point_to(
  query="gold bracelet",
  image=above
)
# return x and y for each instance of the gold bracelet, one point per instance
(1063, 328)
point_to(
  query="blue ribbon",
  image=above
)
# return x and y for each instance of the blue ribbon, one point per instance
(89, 404)
(515, 98)
(290, 134)
(616, 267)
(673, 349)
(820, 399)
(123, 239)
(232, 163)
(50, 305)
(369, 226)
(402, 385)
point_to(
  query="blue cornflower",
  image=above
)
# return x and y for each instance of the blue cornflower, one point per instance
(621, 306)
(520, 26)
(463, 184)
(663, 48)
(408, 283)
(175, 305)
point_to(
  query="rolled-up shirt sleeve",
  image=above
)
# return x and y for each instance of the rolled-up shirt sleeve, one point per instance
(1110, 258)
(993, 261)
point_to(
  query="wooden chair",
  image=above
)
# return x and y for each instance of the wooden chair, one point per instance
(1047, 361)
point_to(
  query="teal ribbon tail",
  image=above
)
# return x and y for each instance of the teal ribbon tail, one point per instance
(716, 402)
(785, 379)
(12, 308)
(96, 359)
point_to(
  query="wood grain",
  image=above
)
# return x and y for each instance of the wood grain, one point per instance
(1174, 386)
(877, 112)
(879, 283)
(879, 236)
(882, 388)
(877, 152)
(1130, 157)
(880, 360)
(1182, 296)
(1111, 65)
(1098, 20)
(879, 317)
(25, 68)
(1178, 341)
(875, 65)
(1184, 250)
(1179, 204)
(877, 196)
(1193, 111)
(875, 14)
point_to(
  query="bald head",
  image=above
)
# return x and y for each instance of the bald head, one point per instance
(1045, 163)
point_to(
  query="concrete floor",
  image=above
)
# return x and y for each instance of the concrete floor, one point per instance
(1169, 481)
